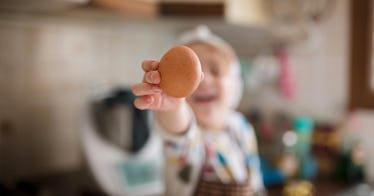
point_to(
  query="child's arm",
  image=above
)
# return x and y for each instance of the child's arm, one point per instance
(172, 113)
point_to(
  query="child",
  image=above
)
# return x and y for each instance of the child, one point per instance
(210, 149)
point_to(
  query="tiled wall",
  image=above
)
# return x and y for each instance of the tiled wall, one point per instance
(48, 69)
(320, 65)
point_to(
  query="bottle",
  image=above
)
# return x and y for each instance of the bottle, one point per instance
(303, 127)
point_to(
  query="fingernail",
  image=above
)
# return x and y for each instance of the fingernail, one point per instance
(149, 99)
(156, 89)
(154, 64)
(152, 76)
(149, 76)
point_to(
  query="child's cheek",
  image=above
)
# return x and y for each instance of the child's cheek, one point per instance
(224, 87)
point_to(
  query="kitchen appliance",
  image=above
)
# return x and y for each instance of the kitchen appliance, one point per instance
(122, 152)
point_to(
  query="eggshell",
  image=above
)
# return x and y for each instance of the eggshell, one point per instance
(180, 71)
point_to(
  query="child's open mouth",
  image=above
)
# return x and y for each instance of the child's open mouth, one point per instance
(205, 98)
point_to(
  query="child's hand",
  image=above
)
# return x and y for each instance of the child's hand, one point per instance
(150, 95)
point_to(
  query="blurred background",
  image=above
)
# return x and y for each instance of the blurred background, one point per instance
(67, 125)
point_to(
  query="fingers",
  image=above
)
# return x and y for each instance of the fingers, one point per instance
(143, 102)
(202, 76)
(148, 88)
(152, 77)
(147, 95)
(142, 89)
(150, 65)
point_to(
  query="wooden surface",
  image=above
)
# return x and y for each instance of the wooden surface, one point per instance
(191, 9)
(361, 94)
(322, 187)
(143, 9)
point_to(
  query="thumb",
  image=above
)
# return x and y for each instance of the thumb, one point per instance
(202, 76)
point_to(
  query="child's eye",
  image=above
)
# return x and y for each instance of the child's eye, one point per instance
(216, 70)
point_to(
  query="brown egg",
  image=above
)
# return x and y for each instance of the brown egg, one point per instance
(180, 71)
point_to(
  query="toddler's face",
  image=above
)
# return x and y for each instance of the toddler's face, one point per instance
(211, 101)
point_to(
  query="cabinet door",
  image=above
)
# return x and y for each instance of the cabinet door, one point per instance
(212, 8)
(361, 59)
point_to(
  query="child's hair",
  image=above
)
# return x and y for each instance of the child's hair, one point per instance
(202, 35)
(225, 55)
